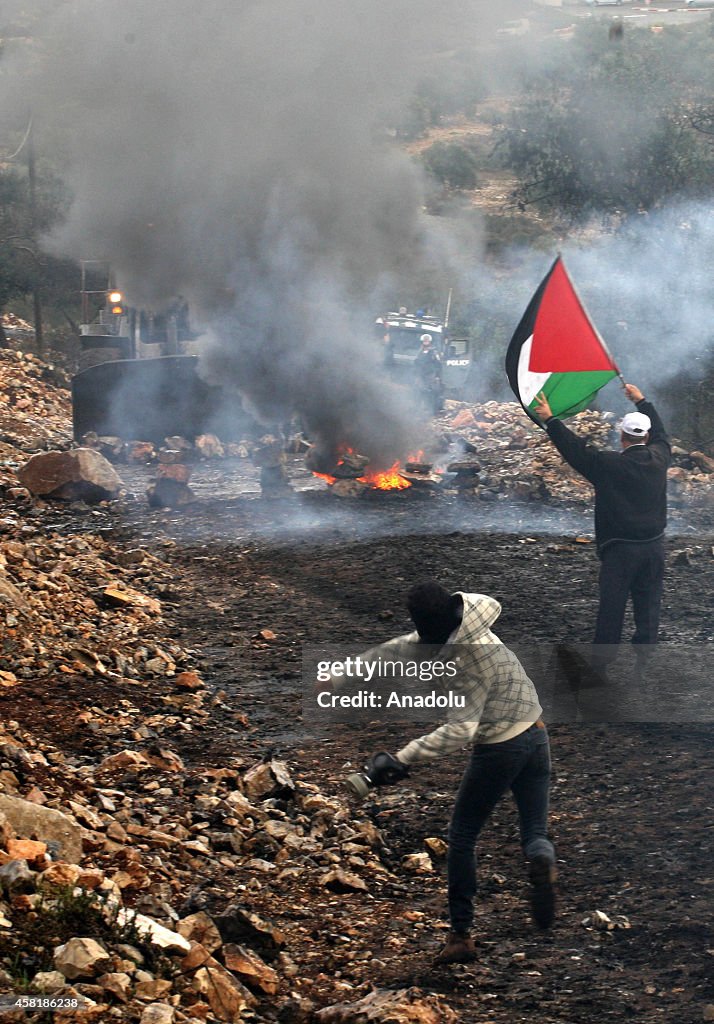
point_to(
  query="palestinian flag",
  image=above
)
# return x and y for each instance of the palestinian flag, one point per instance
(556, 349)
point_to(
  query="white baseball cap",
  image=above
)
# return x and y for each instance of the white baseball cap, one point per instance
(636, 424)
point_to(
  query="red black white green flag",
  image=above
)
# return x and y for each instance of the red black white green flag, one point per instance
(557, 349)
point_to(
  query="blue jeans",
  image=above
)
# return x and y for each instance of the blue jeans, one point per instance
(521, 765)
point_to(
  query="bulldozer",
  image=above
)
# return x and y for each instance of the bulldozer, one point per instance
(138, 376)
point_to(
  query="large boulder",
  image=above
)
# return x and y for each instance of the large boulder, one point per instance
(81, 474)
(30, 819)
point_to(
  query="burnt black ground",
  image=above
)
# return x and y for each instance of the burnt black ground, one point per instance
(631, 805)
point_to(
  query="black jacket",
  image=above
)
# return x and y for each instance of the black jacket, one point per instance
(630, 486)
(428, 368)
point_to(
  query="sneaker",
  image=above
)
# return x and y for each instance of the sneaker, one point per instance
(459, 949)
(543, 874)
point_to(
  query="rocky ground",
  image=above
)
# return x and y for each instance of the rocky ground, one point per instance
(151, 694)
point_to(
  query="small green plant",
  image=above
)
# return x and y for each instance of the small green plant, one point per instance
(15, 967)
(78, 913)
(63, 913)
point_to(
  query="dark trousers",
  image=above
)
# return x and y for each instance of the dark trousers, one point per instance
(629, 570)
(521, 765)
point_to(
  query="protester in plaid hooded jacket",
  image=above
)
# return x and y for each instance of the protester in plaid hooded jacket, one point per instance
(500, 716)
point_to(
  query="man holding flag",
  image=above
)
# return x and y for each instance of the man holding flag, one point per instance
(630, 518)
(556, 363)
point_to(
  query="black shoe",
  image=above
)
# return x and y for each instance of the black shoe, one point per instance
(459, 949)
(543, 874)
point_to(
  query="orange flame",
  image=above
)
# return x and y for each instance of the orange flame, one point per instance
(386, 480)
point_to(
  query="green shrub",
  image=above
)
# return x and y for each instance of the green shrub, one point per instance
(451, 163)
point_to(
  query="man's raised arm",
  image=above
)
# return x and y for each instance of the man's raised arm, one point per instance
(576, 451)
(658, 435)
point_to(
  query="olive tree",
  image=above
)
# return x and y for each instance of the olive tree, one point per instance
(612, 128)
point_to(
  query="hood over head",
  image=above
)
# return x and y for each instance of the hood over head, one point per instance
(480, 613)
